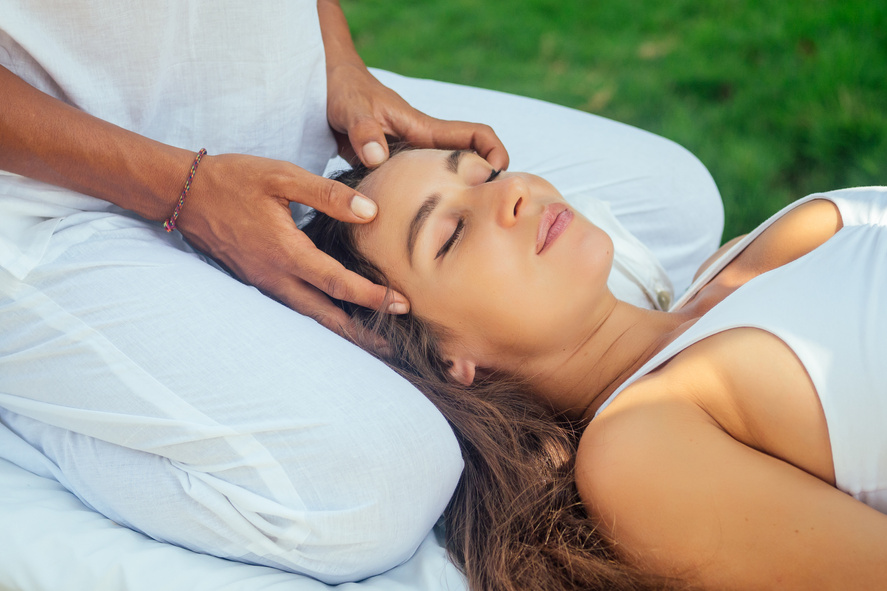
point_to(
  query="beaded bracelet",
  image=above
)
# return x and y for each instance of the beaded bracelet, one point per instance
(170, 224)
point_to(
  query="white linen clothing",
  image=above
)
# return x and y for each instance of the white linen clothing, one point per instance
(51, 542)
(222, 75)
(828, 308)
(224, 423)
(245, 430)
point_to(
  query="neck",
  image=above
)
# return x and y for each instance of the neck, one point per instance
(580, 379)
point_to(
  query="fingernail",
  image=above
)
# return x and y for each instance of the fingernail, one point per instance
(373, 154)
(398, 308)
(363, 208)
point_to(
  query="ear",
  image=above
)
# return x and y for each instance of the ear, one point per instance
(462, 370)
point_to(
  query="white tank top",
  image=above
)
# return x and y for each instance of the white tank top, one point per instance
(830, 308)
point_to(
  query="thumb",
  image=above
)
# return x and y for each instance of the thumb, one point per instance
(368, 141)
(337, 200)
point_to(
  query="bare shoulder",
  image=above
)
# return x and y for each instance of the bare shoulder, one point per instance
(680, 497)
(633, 460)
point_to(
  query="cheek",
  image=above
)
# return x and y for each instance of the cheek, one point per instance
(474, 297)
(523, 304)
(496, 304)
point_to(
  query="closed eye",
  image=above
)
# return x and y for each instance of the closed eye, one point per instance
(460, 226)
(452, 240)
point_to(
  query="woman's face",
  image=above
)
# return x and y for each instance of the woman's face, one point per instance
(500, 261)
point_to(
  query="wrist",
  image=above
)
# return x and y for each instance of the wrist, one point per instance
(170, 223)
(151, 179)
(337, 42)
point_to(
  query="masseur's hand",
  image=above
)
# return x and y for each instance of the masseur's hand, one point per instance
(364, 114)
(238, 212)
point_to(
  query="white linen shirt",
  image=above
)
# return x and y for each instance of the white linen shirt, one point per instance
(182, 73)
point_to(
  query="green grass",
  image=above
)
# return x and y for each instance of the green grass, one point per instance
(778, 99)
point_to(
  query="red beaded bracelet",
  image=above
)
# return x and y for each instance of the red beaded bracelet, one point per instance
(170, 224)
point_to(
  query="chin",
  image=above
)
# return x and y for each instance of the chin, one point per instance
(591, 256)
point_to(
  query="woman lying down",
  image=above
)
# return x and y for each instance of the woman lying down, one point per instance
(737, 441)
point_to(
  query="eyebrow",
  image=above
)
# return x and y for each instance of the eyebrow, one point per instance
(424, 212)
(453, 160)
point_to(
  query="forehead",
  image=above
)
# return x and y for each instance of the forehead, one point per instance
(402, 184)
(399, 187)
(403, 175)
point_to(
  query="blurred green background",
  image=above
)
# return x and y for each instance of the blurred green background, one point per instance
(777, 98)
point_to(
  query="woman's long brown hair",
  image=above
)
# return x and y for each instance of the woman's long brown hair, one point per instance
(515, 522)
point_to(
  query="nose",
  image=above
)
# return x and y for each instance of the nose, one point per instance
(509, 194)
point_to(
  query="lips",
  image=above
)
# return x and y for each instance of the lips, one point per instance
(555, 219)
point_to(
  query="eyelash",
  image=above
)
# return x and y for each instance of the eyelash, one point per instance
(460, 226)
(453, 239)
